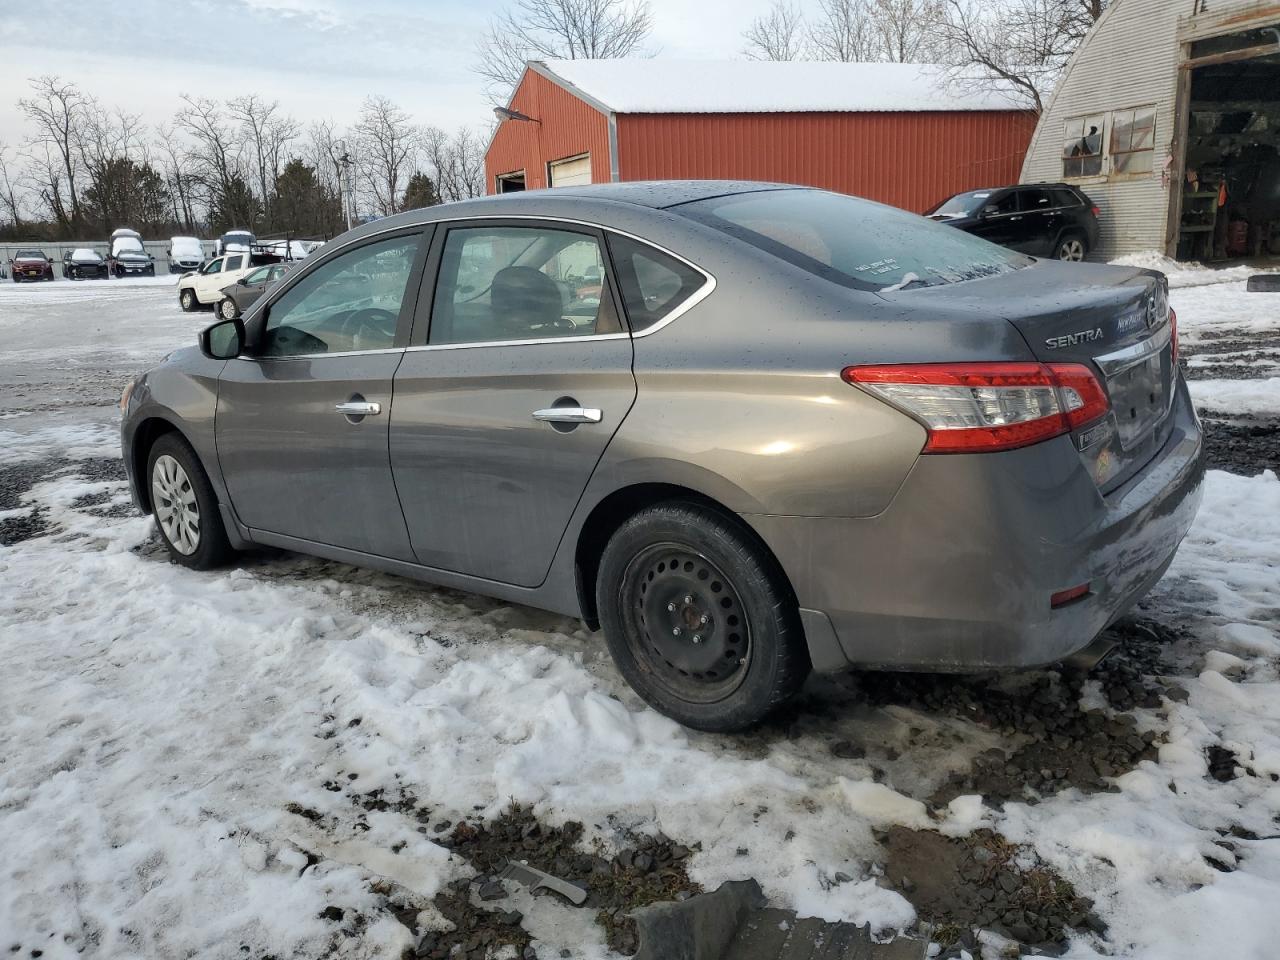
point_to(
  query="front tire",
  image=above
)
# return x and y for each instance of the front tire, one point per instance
(699, 619)
(187, 300)
(1072, 249)
(184, 505)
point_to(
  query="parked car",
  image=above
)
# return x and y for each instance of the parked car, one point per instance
(204, 287)
(185, 254)
(244, 293)
(799, 430)
(1044, 219)
(127, 256)
(84, 264)
(31, 264)
(234, 241)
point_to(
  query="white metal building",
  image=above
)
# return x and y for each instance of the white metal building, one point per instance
(1168, 117)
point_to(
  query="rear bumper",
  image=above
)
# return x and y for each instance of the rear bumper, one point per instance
(957, 574)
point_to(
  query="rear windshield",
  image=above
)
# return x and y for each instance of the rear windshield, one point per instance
(854, 242)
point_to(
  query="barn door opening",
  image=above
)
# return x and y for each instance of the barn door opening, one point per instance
(1230, 190)
(511, 182)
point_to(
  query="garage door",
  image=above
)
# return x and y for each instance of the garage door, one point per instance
(570, 173)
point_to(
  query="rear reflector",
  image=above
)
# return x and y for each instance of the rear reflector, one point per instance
(985, 407)
(1063, 597)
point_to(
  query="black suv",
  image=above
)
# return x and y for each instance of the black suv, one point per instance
(1042, 219)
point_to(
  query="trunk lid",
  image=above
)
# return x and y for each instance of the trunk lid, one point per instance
(1113, 320)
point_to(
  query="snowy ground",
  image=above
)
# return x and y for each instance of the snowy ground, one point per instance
(275, 760)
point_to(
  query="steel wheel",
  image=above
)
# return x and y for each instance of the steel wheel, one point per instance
(1071, 249)
(688, 626)
(175, 504)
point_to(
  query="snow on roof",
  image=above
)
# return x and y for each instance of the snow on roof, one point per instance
(752, 86)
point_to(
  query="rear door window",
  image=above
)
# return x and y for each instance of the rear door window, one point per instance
(853, 242)
(653, 283)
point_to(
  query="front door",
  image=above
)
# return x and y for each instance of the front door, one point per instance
(302, 422)
(504, 409)
(999, 221)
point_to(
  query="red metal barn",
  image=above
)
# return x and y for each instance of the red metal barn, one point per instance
(897, 133)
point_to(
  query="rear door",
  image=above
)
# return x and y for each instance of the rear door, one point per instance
(302, 423)
(518, 376)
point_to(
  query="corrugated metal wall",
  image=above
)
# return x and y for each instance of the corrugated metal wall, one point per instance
(910, 160)
(1129, 60)
(568, 127)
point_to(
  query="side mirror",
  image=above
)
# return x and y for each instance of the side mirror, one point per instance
(243, 281)
(224, 340)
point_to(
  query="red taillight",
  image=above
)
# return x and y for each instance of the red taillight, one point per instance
(1173, 333)
(1063, 597)
(986, 407)
(1097, 211)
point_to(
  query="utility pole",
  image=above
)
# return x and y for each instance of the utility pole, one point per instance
(343, 164)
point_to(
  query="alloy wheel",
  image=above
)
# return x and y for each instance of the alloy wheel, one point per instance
(176, 508)
(1072, 250)
(228, 309)
(689, 627)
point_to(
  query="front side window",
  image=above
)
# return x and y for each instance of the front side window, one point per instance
(852, 242)
(214, 266)
(1002, 206)
(1133, 140)
(350, 303)
(652, 283)
(1082, 147)
(520, 283)
(257, 276)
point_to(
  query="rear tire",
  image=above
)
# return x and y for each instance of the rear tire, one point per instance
(227, 309)
(184, 505)
(698, 619)
(1071, 248)
(187, 300)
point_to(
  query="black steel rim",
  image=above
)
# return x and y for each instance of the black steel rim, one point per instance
(687, 626)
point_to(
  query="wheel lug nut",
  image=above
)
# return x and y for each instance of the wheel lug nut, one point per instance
(671, 607)
(696, 638)
(675, 631)
(688, 598)
(703, 620)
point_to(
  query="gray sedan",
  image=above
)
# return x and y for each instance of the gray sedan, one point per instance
(749, 430)
(244, 293)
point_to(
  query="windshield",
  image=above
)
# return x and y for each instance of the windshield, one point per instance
(80, 253)
(185, 246)
(852, 242)
(28, 255)
(963, 205)
(127, 245)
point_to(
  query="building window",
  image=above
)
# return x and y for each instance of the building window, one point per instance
(1133, 140)
(1082, 147)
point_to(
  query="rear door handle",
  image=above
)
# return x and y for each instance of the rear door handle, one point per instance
(569, 415)
(359, 408)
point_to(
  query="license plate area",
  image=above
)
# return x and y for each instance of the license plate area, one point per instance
(1140, 398)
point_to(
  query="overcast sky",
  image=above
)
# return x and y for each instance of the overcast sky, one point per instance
(319, 58)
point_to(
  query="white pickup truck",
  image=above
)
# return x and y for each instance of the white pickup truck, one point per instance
(204, 286)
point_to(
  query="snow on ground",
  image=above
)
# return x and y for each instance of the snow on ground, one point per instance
(157, 726)
(1237, 397)
(1192, 274)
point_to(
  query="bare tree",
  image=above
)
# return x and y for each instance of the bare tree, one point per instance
(385, 144)
(175, 165)
(57, 110)
(776, 35)
(845, 30)
(9, 204)
(104, 139)
(216, 159)
(557, 30)
(1025, 44)
(456, 163)
(907, 29)
(266, 132)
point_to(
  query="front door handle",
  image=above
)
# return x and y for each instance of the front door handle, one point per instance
(359, 408)
(569, 415)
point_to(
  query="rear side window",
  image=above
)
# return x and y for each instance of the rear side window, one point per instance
(852, 242)
(653, 283)
(1065, 198)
